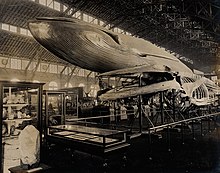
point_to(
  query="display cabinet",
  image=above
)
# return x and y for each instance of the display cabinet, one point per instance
(92, 140)
(54, 108)
(17, 110)
(74, 96)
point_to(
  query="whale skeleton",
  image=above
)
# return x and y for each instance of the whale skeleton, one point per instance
(95, 48)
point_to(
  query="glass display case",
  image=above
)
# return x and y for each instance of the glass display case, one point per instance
(17, 110)
(92, 140)
(54, 108)
(74, 96)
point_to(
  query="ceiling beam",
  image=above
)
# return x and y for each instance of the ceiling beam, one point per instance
(35, 55)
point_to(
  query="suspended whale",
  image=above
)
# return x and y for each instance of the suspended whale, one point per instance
(95, 48)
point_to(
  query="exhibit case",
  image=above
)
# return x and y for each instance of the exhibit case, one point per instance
(54, 108)
(97, 141)
(20, 106)
(74, 96)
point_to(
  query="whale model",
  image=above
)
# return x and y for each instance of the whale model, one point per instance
(98, 49)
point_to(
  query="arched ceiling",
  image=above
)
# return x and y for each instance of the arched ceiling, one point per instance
(188, 28)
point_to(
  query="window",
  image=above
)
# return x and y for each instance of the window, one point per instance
(15, 80)
(53, 86)
(32, 66)
(85, 17)
(13, 28)
(81, 85)
(5, 26)
(60, 68)
(77, 15)
(29, 33)
(24, 64)
(43, 67)
(68, 85)
(108, 26)
(90, 19)
(64, 7)
(66, 71)
(57, 6)
(15, 64)
(43, 2)
(53, 68)
(50, 3)
(81, 72)
(23, 31)
(101, 22)
(36, 81)
(95, 21)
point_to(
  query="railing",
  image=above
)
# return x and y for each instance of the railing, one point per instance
(151, 119)
(183, 121)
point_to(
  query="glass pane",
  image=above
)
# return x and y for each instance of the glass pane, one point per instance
(5, 26)
(57, 6)
(13, 28)
(55, 109)
(23, 31)
(43, 2)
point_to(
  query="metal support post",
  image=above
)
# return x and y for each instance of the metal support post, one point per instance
(209, 126)
(1, 144)
(150, 142)
(182, 133)
(201, 128)
(168, 138)
(193, 130)
(40, 120)
(140, 112)
(174, 108)
(77, 106)
(140, 107)
(161, 107)
(115, 115)
(149, 139)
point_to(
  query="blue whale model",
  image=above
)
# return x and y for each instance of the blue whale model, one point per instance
(95, 48)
